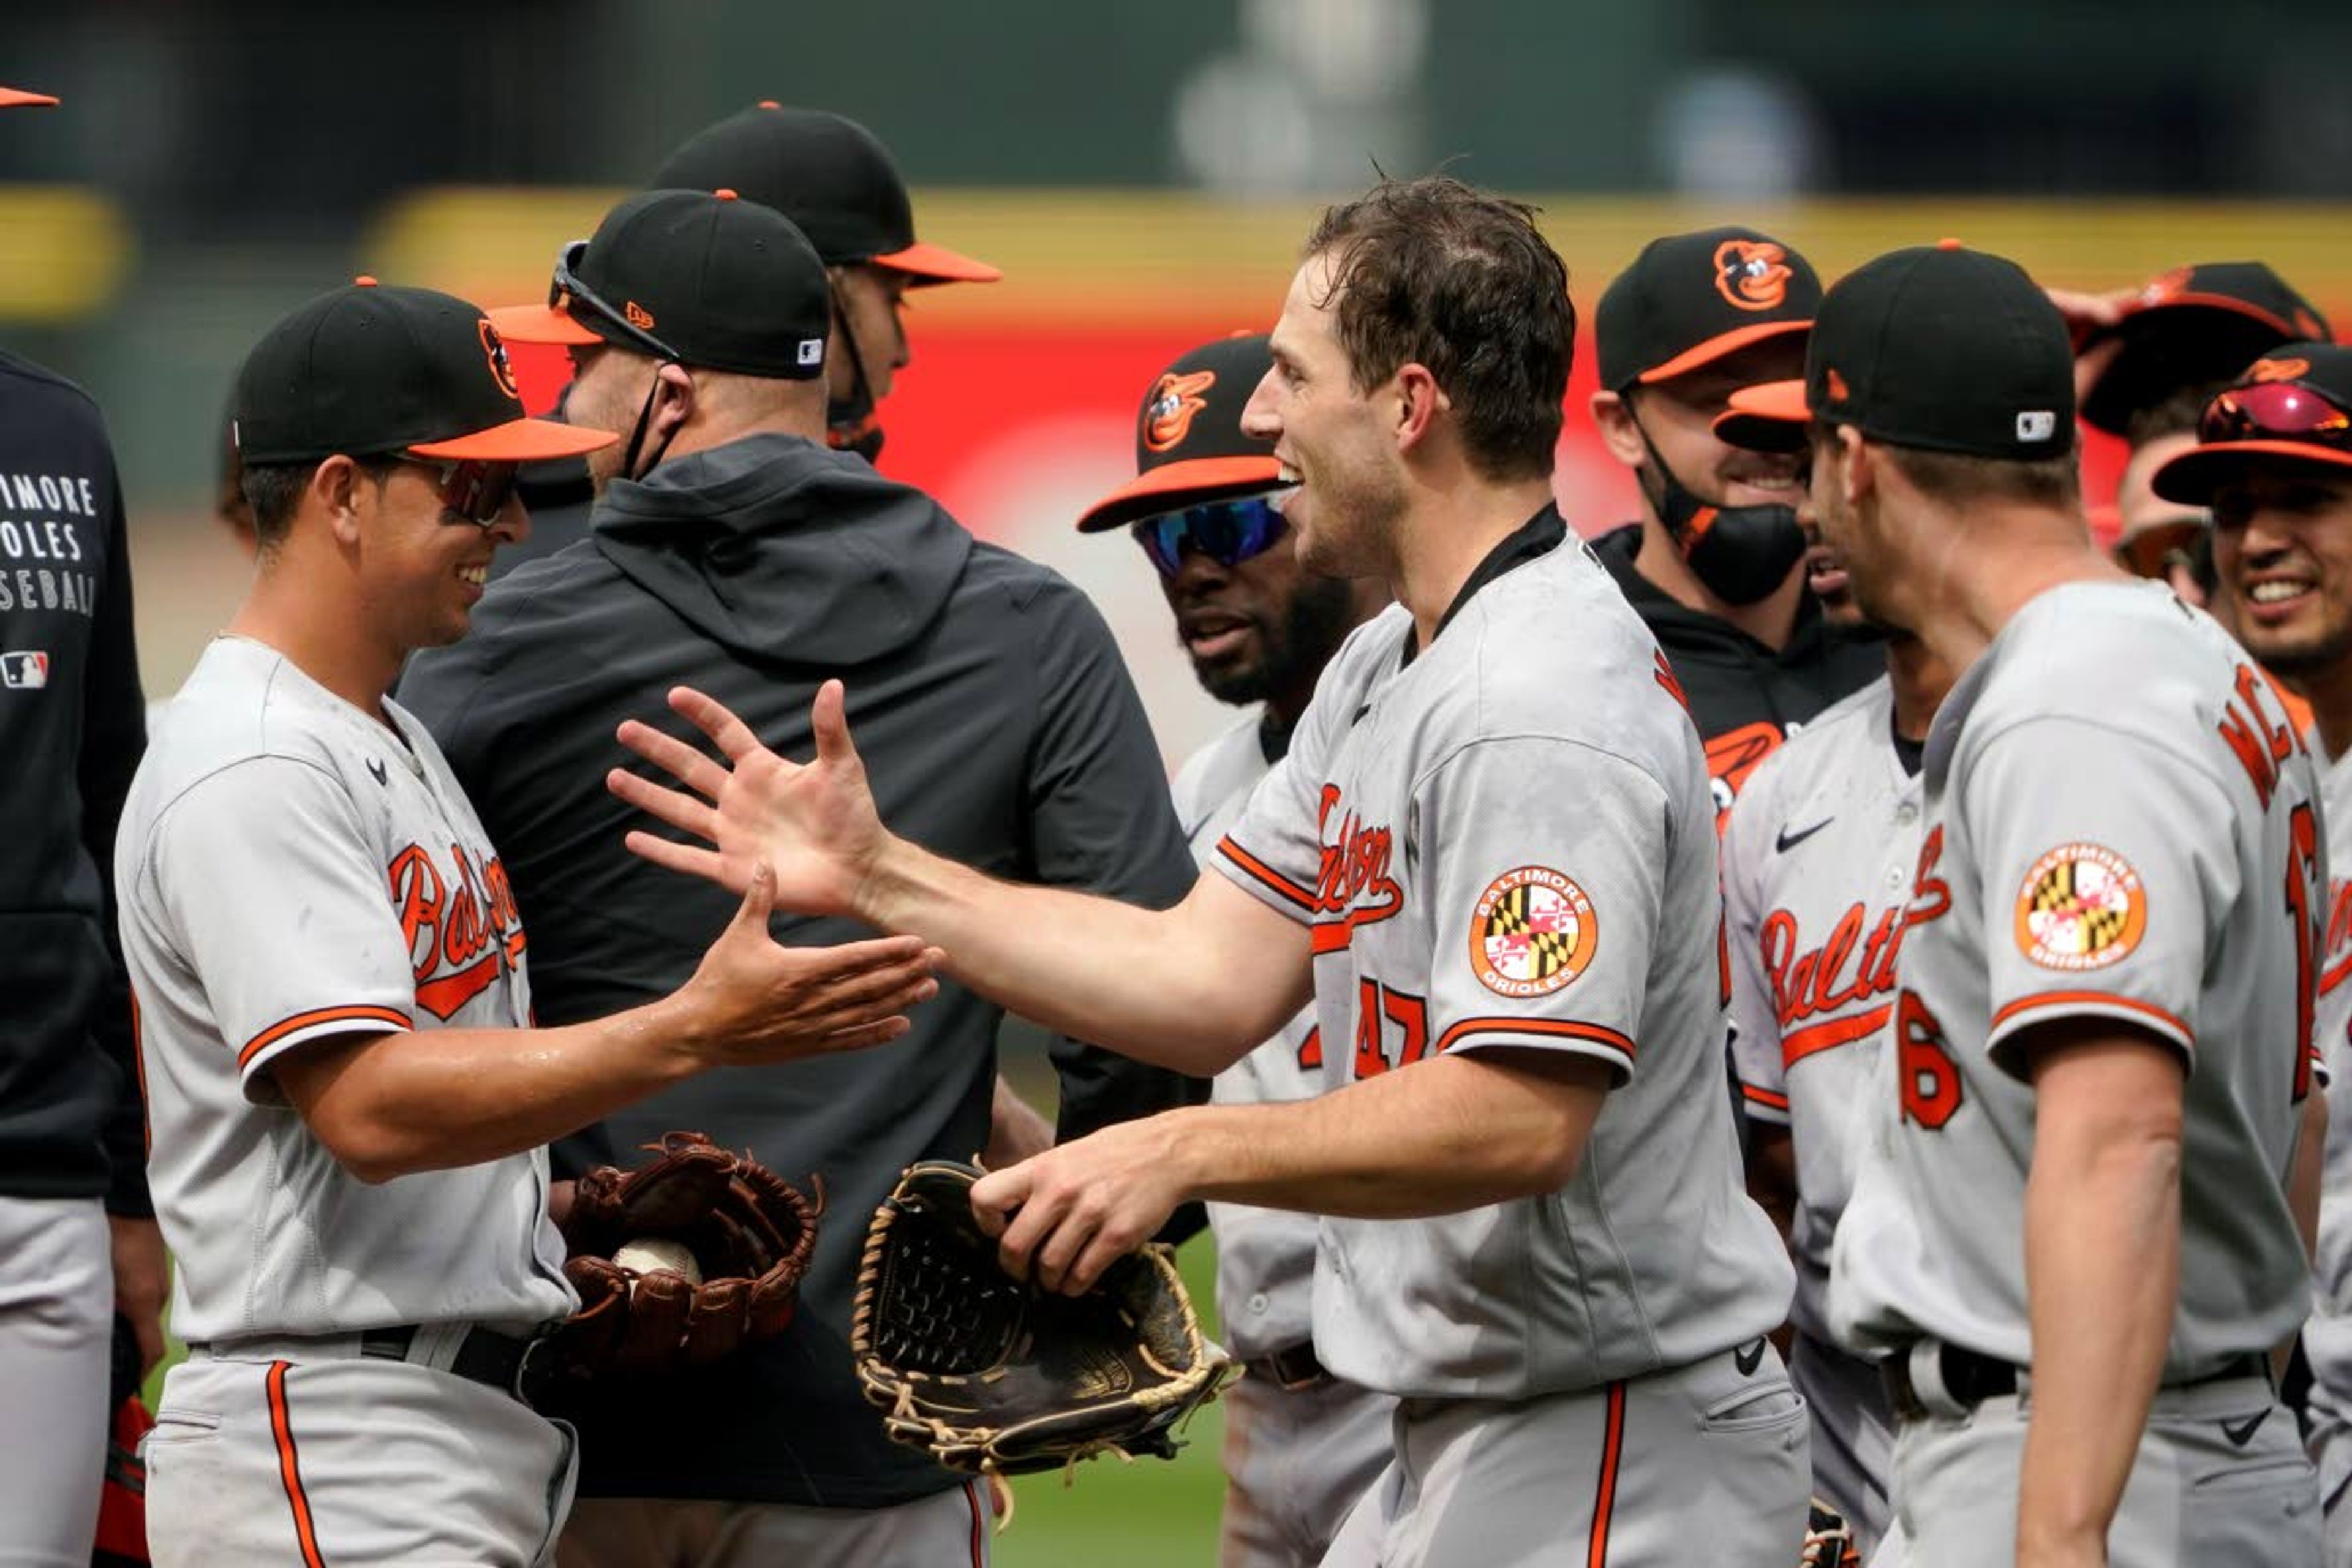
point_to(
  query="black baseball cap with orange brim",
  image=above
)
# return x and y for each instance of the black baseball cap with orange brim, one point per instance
(17, 98)
(2193, 326)
(1938, 347)
(2291, 408)
(1690, 300)
(830, 175)
(1190, 447)
(368, 370)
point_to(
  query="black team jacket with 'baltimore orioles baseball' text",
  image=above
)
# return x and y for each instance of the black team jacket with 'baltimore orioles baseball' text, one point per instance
(72, 727)
(998, 727)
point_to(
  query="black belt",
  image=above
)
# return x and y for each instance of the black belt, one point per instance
(485, 1356)
(1971, 1379)
(1290, 1369)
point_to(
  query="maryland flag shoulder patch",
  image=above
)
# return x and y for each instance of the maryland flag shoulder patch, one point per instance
(1532, 932)
(2081, 907)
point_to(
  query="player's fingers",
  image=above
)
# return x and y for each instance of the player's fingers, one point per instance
(853, 960)
(1105, 1248)
(759, 899)
(687, 859)
(680, 810)
(865, 986)
(1039, 1214)
(902, 999)
(829, 717)
(1052, 1262)
(996, 1195)
(689, 765)
(716, 719)
(863, 1037)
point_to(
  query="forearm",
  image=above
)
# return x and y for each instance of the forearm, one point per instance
(1470, 1132)
(2102, 1226)
(1140, 981)
(438, 1098)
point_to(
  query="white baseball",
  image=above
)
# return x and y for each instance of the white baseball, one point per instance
(651, 1253)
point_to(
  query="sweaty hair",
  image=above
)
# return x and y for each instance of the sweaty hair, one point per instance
(1436, 273)
(1959, 478)
(274, 492)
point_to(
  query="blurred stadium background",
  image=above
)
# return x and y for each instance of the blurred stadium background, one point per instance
(1143, 174)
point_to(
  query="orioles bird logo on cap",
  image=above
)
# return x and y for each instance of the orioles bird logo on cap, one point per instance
(1752, 274)
(1168, 413)
(2278, 370)
(493, 349)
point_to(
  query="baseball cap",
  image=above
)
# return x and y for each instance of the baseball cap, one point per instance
(830, 175)
(2191, 327)
(1189, 443)
(1938, 347)
(2292, 403)
(368, 369)
(702, 278)
(1690, 299)
(17, 98)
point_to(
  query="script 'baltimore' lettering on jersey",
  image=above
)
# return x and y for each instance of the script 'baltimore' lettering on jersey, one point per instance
(460, 930)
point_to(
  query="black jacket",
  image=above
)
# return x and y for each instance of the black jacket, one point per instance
(998, 727)
(1746, 697)
(72, 727)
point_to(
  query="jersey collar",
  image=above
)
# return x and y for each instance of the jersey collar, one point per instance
(1538, 537)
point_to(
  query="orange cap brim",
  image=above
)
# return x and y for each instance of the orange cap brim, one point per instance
(1717, 347)
(1174, 486)
(2191, 477)
(936, 264)
(1781, 400)
(540, 325)
(2143, 554)
(17, 98)
(518, 441)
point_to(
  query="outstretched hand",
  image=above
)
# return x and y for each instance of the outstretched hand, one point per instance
(813, 823)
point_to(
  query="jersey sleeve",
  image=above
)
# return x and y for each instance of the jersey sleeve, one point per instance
(270, 887)
(1274, 850)
(1755, 1058)
(1542, 857)
(2104, 898)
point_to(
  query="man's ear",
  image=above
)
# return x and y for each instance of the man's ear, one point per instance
(1613, 417)
(1864, 467)
(1419, 400)
(335, 492)
(674, 404)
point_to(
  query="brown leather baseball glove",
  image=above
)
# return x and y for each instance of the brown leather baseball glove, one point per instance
(750, 1232)
(991, 1374)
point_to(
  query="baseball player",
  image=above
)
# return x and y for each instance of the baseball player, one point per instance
(1716, 566)
(78, 1237)
(346, 1101)
(733, 549)
(1490, 854)
(2275, 467)
(2075, 1252)
(838, 184)
(1300, 1444)
(1817, 863)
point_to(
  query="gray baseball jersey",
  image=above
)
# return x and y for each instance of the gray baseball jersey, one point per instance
(1818, 855)
(2327, 1337)
(1266, 1257)
(288, 871)
(1509, 842)
(2144, 848)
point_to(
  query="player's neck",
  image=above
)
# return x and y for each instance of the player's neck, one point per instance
(1440, 541)
(1968, 582)
(2329, 692)
(1919, 680)
(1770, 620)
(320, 638)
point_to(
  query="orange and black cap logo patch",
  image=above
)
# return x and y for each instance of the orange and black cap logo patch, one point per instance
(1169, 412)
(2278, 370)
(2165, 285)
(1532, 932)
(1752, 274)
(2081, 907)
(493, 349)
(637, 316)
(1835, 384)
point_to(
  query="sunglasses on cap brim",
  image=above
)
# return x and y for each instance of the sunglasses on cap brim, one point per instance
(2276, 411)
(475, 490)
(1227, 531)
(565, 292)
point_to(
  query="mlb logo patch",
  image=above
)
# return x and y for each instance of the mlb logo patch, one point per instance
(812, 350)
(24, 671)
(2036, 425)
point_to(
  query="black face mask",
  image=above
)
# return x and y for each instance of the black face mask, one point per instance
(852, 424)
(1740, 554)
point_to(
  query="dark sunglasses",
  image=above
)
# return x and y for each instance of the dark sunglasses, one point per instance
(477, 491)
(1227, 531)
(2276, 410)
(566, 292)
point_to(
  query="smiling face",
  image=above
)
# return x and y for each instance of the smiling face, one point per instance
(423, 567)
(1332, 440)
(1679, 416)
(2283, 549)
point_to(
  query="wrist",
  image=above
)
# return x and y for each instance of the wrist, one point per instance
(883, 896)
(677, 1035)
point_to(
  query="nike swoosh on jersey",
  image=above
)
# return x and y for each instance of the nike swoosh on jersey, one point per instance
(1785, 840)
(376, 768)
(2239, 1435)
(1748, 1357)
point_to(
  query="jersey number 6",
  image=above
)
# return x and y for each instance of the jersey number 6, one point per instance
(1931, 1078)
